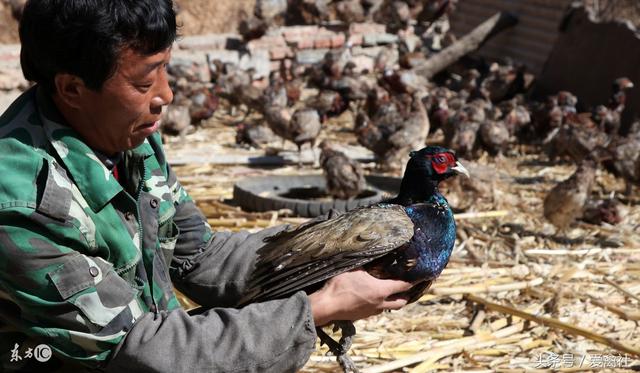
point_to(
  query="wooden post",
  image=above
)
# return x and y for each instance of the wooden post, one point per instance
(470, 42)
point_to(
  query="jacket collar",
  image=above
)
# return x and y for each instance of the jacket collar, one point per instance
(94, 180)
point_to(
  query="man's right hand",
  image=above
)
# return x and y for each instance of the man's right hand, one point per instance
(355, 295)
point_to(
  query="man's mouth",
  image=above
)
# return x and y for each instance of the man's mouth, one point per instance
(149, 127)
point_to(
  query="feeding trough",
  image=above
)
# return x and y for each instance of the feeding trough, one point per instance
(306, 195)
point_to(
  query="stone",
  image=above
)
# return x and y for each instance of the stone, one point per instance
(367, 28)
(362, 63)
(207, 41)
(190, 65)
(356, 39)
(310, 56)
(12, 79)
(258, 60)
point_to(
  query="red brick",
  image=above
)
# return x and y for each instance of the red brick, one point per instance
(280, 53)
(299, 31)
(273, 40)
(304, 43)
(293, 38)
(338, 40)
(367, 28)
(322, 42)
(266, 42)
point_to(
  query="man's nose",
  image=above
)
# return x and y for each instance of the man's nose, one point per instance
(164, 95)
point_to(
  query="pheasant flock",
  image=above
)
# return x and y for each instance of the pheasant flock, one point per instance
(473, 107)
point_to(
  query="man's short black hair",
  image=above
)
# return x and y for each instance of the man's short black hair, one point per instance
(85, 37)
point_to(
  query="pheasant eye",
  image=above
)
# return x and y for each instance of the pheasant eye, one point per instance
(440, 159)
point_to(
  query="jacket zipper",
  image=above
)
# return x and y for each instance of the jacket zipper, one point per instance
(140, 233)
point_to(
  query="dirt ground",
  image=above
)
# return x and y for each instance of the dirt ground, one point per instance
(195, 16)
(514, 258)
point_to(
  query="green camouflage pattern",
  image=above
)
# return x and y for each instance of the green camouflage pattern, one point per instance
(82, 257)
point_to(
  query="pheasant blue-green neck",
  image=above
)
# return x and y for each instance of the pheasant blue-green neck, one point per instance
(418, 190)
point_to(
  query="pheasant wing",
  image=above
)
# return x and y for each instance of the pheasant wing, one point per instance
(295, 259)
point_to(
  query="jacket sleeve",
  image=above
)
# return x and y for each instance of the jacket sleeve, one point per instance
(211, 268)
(276, 336)
(78, 305)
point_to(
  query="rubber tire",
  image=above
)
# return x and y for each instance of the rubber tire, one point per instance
(249, 194)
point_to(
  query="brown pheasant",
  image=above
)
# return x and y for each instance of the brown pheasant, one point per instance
(566, 201)
(345, 177)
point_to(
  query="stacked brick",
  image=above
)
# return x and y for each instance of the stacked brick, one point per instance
(10, 72)
(12, 83)
(303, 44)
(193, 55)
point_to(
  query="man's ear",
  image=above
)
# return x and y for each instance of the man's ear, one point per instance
(70, 89)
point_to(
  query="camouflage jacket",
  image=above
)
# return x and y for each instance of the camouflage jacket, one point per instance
(87, 264)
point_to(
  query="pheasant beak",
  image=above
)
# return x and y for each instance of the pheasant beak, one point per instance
(459, 169)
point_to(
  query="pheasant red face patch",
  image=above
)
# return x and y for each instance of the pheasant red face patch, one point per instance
(442, 161)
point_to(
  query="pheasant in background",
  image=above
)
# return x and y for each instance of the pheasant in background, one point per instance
(175, 121)
(344, 176)
(566, 201)
(494, 133)
(611, 115)
(461, 131)
(254, 135)
(605, 211)
(203, 104)
(623, 159)
(546, 117)
(578, 136)
(517, 117)
(328, 104)
(236, 86)
(503, 82)
(415, 129)
(409, 237)
(303, 127)
(390, 133)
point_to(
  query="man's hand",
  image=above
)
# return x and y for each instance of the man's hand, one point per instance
(355, 295)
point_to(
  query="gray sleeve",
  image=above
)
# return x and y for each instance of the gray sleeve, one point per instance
(213, 271)
(275, 336)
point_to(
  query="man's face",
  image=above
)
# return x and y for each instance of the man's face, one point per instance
(128, 107)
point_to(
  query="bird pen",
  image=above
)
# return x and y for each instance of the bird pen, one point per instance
(544, 271)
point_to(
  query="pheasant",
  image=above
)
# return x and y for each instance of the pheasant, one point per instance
(409, 237)
(344, 176)
(566, 201)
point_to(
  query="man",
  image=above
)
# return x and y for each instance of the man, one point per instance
(95, 227)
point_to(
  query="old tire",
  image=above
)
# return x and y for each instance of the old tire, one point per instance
(271, 193)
